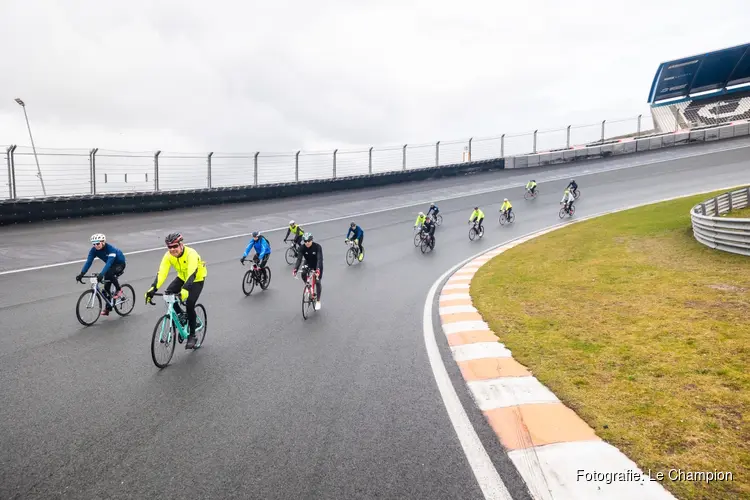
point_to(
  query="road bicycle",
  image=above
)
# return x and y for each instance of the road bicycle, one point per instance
(438, 219)
(505, 218)
(292, 252)
(475, 230)
(310, 292)
(419, 236)
(354, 251)
(94, 299)
(570, 212)
(576, 193)
(256, 276)
(529, 195)
(172, 323)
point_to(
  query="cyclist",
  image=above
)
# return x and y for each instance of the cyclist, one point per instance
(434, 210)
(298, 232)
(531, 186)
(568, 199)
(262, 248)
(507, 208)
(313, 255)
(429, 228)
(358, 236)
(420, 220)
(114, 266)
(191, 275)
(574, 185)
(479, 216)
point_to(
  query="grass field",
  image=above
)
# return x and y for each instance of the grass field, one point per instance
(642, 331)
(742, 213)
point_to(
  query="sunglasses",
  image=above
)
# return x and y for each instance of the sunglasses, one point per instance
(173, 246)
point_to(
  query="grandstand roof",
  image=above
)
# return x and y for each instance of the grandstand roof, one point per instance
(712, 71)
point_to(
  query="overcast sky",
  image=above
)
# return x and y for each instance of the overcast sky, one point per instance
(231, 76)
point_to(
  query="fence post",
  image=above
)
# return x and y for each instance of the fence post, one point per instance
(638, 133)
(92, 164)
(334, 163)
(716, 206)
(403, 166)
(11, 172)
(502, 146)
(437, 154)
(535, 141)
(156, 170)
(703, 206)
(603, 122)
(470, 139)
(255, 168)
(296, 167)
(369, 164)
(568, 141)
(209, 168)
(730, 201)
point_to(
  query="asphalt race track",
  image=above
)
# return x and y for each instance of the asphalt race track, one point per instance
(343, 405)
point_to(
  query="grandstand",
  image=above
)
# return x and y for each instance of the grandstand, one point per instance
(702, 91)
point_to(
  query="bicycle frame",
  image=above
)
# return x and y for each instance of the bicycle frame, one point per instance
(96, 286)
(170, 300)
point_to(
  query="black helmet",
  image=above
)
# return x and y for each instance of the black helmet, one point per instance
(173, 238)
(307, 237)
(353, 224)
(476, 208)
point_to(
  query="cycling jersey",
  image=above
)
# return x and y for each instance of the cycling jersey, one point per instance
(478, 214)
(506, 206)
(567, 196)
(429, 227)
(358, 233)
(420, 220)
(108, 253)
(433, 210)
(313, 256)
(530, 185)
(261, 247)
(573, 185)
(295, 230)
(189, 266)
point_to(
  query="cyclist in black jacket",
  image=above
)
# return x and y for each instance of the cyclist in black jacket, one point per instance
(313, 254)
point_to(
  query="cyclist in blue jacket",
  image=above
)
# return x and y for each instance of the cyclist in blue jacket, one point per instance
(358, 236)
(114, 266)
(262, 248)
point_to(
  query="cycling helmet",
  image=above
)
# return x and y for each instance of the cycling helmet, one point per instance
(307, 237)
(476, 208)
(291, 222)
(255, 234)
(98, 238)
(353, 224)
(421, 214)
(432, 205)
(506, 199)
(173, 238)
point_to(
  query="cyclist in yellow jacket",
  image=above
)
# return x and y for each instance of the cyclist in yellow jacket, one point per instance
(191, 274)
(477, 215)
(506, 207)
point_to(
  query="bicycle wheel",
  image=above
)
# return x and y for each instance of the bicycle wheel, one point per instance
(562, 212)
(266, 280)
(125, 305)
(248, 283)
(290, 256)
(527, 195)
(572, 210)
(351, 256)
(92, 304)
(163, 338)
(576, 194)
(439, 220)
(307, 302)
(512, 217)
(201, 325)
(503, 220)
(472, 233)
(417, 239)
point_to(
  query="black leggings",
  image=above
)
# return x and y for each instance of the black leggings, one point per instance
(195, 292)
(112, 274)
(262, 263)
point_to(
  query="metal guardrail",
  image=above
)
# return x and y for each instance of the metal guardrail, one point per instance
(98, 171)
(723, 233)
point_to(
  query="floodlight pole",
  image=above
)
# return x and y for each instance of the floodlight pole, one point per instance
(38, 170)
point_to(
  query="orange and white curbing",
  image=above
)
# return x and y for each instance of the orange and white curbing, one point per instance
(558, 455)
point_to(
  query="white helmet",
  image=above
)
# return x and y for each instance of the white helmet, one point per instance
(98, 238)
(506, 199)
(291, 222)
(421, 214)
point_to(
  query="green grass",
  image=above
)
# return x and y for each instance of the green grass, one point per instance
(742, 213)
(642, 331)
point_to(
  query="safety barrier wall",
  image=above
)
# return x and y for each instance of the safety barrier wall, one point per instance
(50, 208)
(723, 233)
(628, 146)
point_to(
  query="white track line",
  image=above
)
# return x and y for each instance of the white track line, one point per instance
(400, 207)
(481, 465)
